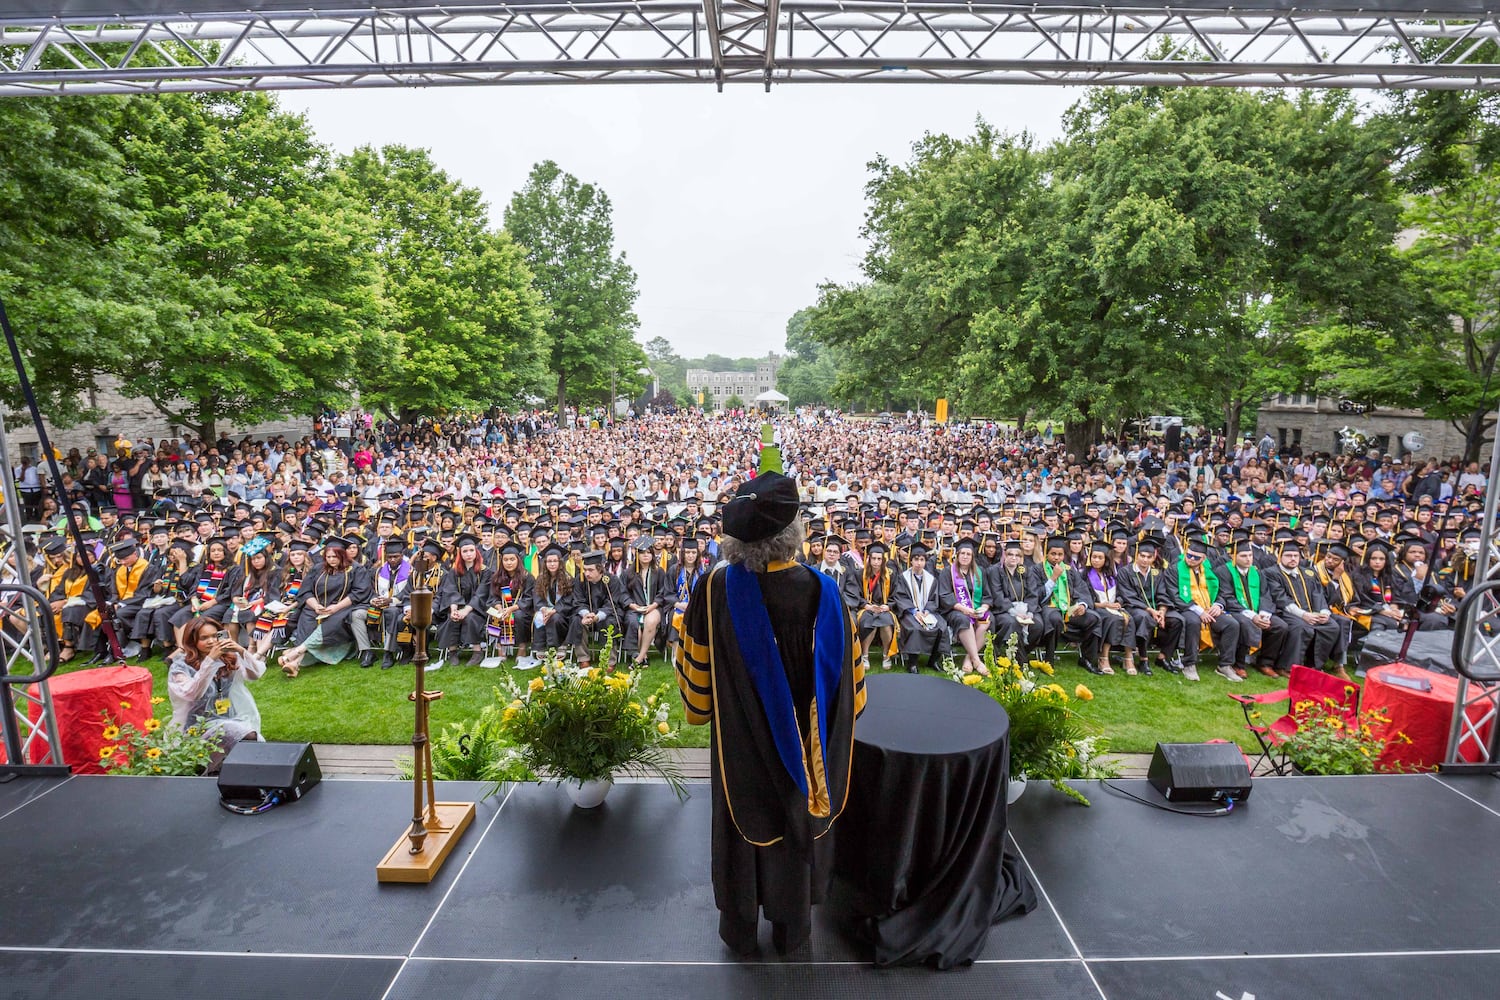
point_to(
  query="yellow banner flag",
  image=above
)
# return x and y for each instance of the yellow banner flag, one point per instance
(942, 411)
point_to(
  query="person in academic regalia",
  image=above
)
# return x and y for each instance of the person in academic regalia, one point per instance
(551, 599)
(648, 598)
(1005, 581)
(1302, 603)
(768, 654)
(598, 604)
(1143, 590)
(914, 599)
(390, 596)
(1246, 596)
(128, 587)
(325, 603)
(510, 602)
(465, 593)
(965, 605)
(168, 595)
(1204, 618)
(1063, 605)
(875, 622)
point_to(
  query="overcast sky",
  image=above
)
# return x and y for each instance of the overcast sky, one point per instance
(732, 207)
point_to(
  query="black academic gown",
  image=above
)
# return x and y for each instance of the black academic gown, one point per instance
(469, 589)
(328, 589)
(1296, 592)
(772, 843)
(910, 595)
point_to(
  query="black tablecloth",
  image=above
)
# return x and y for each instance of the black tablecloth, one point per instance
(923, 835)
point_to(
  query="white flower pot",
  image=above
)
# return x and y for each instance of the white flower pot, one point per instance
(1014, 788)
(588, 794)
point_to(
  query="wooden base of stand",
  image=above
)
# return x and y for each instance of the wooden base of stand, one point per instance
(400, 865)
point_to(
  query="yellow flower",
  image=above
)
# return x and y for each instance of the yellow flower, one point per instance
(124, 704)
(193, 730)
(510, 713)
(152, 725)
(1072, 750)
(156, 770)
(635, 707)
(536, 684)
(1254, 715)
(1083, 694)
(157, 701)
(105, 753)
(111, 732)
(972, 680)
(663, 728)
(593, 673)
(221, 706)
(651, 701)
(153, 752)
(1043, 666)
(516, 705)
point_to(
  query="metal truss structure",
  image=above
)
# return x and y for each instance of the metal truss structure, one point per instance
(134, 46)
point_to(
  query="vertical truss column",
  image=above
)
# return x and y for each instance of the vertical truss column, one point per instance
(1475, 729)
(742, 37)
(28, 728)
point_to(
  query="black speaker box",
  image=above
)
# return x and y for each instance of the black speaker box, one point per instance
(253, 770)
(1199, 772)
(1173, 436)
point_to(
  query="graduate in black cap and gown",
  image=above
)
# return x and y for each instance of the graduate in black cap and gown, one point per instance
(768, 654)
(598, 605)
(325, 602)
(914, 599)
(465, 593)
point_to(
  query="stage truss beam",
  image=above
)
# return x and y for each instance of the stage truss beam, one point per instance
(762, 42)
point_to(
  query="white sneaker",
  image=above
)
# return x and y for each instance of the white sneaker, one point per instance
(1190, 671)
(1229, 675)
(526, 663)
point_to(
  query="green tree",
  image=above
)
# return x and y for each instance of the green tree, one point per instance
(460, 294)
(272, 264)
(808, 375)
(78, 259)
(670, 368)
(1443, 359)
(734, 402)
(567, 233)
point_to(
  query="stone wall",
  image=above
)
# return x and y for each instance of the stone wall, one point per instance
(1320, 421)
(135, 418)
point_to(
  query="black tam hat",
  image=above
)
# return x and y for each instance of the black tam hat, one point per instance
(761, 507)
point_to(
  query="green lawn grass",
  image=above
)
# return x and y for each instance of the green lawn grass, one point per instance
(348, 704)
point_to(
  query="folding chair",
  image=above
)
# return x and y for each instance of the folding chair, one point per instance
(1306, 684)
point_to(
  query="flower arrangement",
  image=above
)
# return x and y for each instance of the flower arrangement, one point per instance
(1329, 741)
(473, 750)
(577, 724)
(155, 748)
(1048, 740)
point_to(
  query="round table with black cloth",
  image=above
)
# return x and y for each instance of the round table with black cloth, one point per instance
(922, 837)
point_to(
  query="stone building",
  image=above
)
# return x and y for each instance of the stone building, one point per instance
(717, 387)
(132, 417)
(1314, 422)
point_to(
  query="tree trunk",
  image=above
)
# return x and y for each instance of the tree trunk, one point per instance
(208, 425)
(1232, 412)
(1474, 432)
(1081, 434)
(562, 398)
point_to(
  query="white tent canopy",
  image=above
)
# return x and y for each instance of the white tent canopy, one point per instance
(771, 396)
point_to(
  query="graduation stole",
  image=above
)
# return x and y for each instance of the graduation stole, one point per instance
(208, 583)
(129, 578)
(1248, 594)
(807, 766)
(1185, 581)
(1061, 600)
(961, 590)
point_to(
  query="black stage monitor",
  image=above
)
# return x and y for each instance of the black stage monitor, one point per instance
(1199, 772)
(257, 776)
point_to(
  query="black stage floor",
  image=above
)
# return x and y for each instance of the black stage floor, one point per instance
(1315, 887)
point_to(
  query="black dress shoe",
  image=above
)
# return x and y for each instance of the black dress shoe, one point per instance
(1092, 668)
(1145, 667)
(367, 658)
(387, 661)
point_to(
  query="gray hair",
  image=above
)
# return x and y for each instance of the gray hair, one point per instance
(785, 546)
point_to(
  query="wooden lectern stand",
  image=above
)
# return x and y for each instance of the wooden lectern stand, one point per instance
(435, 826)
